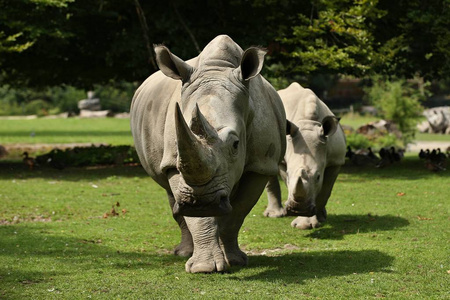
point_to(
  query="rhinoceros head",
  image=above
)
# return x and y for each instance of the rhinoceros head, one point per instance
(211, 150)
(305, 163)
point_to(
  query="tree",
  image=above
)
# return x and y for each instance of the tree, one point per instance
(398, 101)
(87, 42)
(365, 37)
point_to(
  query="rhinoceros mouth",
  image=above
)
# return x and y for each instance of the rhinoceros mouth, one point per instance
(293, 208)
(202, 206)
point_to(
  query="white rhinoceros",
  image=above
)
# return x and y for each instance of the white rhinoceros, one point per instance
(314, 155)
(214, 169)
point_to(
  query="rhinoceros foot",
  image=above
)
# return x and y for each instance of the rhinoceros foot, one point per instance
(206, 261)
(274, 212)
(306, 223)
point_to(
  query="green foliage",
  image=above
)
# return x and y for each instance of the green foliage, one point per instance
(337, 37)
(398, 101)
(37, 107)
(15, 101)
(377, 141)
(116, 96)
(84, 43)
(358, 141)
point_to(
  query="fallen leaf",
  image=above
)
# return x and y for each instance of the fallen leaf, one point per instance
(105, 215)
(423, 218)
(124, 211)
(401, 194)
(117, 204)
(113, 212)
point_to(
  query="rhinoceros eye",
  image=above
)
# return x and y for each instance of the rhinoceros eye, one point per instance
(235, 145)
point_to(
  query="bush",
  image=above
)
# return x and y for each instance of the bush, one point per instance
(37, 107)
(361, 141)
(398, 101)
(358, 141)
(116, 96)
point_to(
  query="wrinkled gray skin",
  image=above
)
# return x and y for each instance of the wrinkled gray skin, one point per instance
(315, 153)
(215, 168)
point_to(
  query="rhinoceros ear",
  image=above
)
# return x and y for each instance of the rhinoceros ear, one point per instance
(291, 128)
(171, 65)
(330, 124)
(252, 62)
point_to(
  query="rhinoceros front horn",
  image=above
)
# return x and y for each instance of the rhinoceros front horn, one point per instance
(196, 161)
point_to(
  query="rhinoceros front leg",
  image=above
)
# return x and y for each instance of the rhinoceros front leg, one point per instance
(329, 179)
(274, 207)
(207, 256)
(186, 246)
(249, 190)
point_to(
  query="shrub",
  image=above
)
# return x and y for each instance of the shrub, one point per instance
(358, 141)
(37, 107)
(398, 101)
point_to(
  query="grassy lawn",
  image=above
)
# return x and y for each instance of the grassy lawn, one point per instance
(387, 233)
(72, 130)
(387, 236)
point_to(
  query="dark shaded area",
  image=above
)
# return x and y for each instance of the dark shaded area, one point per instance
(92, 255)
(298, 267)
(338, 226)
(55, 133)
(19, 170)
(409, 168)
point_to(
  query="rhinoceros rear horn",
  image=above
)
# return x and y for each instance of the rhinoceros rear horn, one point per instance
(201, 127)
(195, 158)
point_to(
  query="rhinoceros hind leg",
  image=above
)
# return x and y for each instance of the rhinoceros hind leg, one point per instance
(274, 207)
(322, 215)
(186, 246)
(237, 258)
(306, 223)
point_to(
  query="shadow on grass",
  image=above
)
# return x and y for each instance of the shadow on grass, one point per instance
(298, 267)
(18, 170)
(36, 254)
(57, 133)
(410, 168)
(337, 226)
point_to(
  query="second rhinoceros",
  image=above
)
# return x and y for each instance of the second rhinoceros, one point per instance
(210, 131)
(315, 152)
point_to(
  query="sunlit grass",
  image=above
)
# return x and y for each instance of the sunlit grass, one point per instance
(72, 130)
(386, 237)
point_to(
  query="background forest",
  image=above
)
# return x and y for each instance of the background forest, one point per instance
(53, 51)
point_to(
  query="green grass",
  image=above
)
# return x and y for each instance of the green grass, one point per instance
(355, 120)
(72, 130)
(387, 236)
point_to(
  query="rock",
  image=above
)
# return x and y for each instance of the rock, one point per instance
(90, 103)
(95, 114)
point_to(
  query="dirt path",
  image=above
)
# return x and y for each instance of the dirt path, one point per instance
(417, 145)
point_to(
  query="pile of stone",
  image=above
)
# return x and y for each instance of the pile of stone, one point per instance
(91, 108)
